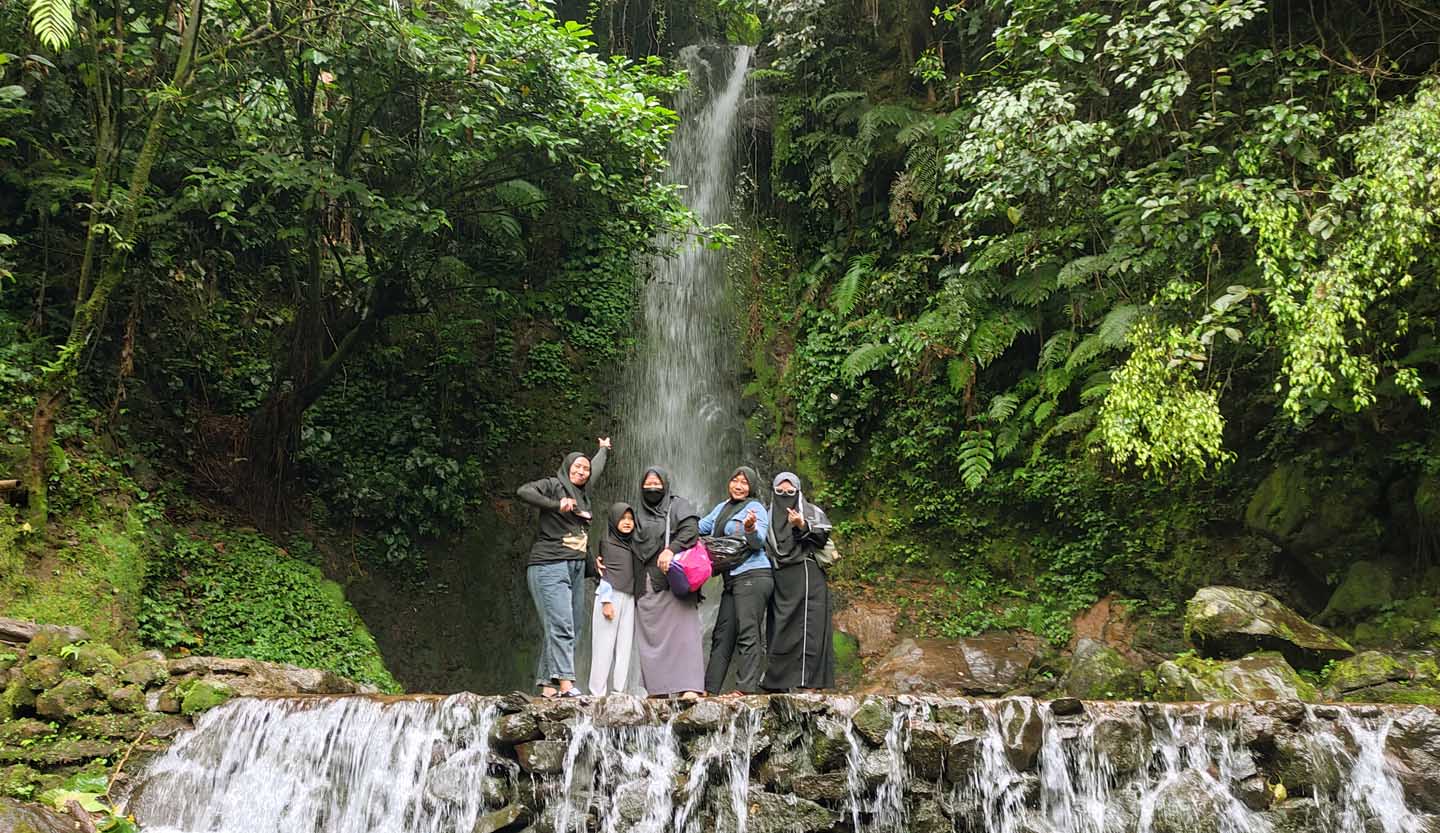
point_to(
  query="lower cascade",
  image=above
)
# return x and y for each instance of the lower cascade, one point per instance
(800, 763)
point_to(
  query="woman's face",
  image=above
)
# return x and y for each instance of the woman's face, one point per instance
(785, 487)
(739, 487)
(652, 481)
(626, 525)
(580, 471)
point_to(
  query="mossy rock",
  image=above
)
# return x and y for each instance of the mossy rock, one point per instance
(18, 697)
(1230, 622)
(18, 781)
(1260, 676)
(1368, 586)
(24, 729)
(127, 699)
(49, 639)
(144, 671)
(71, 697)
(61, 752)
(200, 695)
(1399, 693)
(43, 672)
(128, 726)
(95, 658)
(1365, 669)
(1280, 503)
(16, 817)
(1099, 672)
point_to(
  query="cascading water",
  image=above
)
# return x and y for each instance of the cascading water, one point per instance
(679, 406)
(757, 764)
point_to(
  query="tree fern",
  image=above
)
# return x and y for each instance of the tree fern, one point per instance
(960, 371)
(1003, 406)
(53, 22)
(977, 456)
(864, 359)
(1116, 325)
(848, 290)
(520, 194)
(885, 116)
(1056, 348)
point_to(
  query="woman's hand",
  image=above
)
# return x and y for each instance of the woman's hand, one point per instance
(600, 568)
(663, 562)
(797, 520)
(608, 610)
(567, 504)
(750, 520)
(604, 442)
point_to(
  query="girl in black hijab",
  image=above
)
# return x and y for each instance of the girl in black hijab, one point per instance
(667, 627)
(612, 626)
(801, 652)
(556, 570)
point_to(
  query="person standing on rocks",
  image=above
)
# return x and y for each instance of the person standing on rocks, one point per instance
(740, 623)
(556, 569)
(667, 626)
(612, 627)
(801, 651)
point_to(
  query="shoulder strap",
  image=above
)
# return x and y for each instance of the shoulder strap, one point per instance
(668, 506)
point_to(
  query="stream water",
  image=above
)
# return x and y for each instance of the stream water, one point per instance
(620, 765)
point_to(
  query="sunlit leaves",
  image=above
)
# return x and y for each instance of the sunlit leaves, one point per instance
(53, 22)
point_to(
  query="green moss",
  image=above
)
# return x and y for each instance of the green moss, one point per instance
(93, 580)
(847, 657)
(1367, 586)
(200, 695)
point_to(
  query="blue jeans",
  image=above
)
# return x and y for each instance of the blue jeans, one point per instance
(558, 589)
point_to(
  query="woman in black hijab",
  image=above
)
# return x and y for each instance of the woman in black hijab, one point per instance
(667, 626)
(801, 652)
(556, 570)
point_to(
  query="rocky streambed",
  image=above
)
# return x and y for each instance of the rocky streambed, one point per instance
(795, 763)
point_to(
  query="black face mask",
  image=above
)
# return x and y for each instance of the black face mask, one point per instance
(652, 495)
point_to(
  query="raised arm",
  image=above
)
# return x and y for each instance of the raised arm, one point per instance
(597, 462)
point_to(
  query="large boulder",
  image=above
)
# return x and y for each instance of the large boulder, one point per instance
(1320, 526)
(1352, 676)
(72, 696)
(1367, 587)
(1230, 622)
(871, 624)
(993, 663)
(1263, 676)
(49, 639)
(32, 818)
(1413, 744)
(1100, 672)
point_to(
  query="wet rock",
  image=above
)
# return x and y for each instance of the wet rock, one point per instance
(1021, 731)
(1229, 622)
(783, 766)
(49, 639)
(620, 709)
(202, 695)
(32, 818)
(926, 816)
(829, 747)
(253, 678)
(1305, 762)
(43, 672)
(541, 757)
(962, 758)
(1413, 746)
(926, 750)
(704, 716)
(70, 697)
(822, 786)
(1123, 741)
(997, 662)
(515, 701)
(1066, 706)
(511, 729)
(771, 813)
(873, 721)
(1188, 804)
(144, 671)
(1264, 676)
(1099, 672)
(1364, 670)
(500, 819)
(871, 623)
(1253, 792)
(495, 791)
(1299, 815)
(112, 725)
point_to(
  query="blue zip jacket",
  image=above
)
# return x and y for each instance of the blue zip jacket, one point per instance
(758, 559)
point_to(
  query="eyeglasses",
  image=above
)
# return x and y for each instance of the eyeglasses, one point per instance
(785, 492)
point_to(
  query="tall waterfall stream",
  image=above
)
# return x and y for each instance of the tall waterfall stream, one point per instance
(789, 763)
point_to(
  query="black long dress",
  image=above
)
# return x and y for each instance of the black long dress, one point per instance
(802, 651)
(667, 627)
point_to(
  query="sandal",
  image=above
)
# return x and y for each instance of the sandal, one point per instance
(570, 692)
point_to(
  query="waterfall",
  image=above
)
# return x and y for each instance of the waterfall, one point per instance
(678, 408)
(792, 763)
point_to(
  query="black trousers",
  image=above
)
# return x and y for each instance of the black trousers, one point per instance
(739, 628)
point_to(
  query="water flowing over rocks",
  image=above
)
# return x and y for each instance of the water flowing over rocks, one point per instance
(794, 764)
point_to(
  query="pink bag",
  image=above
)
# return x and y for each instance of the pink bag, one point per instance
(689, 570)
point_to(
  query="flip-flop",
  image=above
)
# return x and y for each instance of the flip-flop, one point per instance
(570, 692)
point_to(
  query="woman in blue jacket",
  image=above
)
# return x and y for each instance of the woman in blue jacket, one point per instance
(748, 586)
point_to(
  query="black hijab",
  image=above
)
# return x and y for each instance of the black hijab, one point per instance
(732, 507)
(784, 538)
(579, 494)
(618, 549)
(650, 519)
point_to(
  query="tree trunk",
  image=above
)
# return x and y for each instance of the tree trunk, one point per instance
(90, 304)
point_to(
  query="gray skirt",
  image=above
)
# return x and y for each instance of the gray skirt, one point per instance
(667, 634)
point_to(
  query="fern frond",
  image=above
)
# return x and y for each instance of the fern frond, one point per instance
(1055, 348)
(1043, 412)
(1082, 269)
(864, 359)
(1007, 441)
(1003, 406)
(977, 456)
(53, 22)
(1115, 326)
(960, 371)
(848, 290)
(883, 116)
(1095, 387)
(1032, 289)
(1088, 348)
(915, 131)
(520, 194)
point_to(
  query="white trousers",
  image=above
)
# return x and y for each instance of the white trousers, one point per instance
(612, 641)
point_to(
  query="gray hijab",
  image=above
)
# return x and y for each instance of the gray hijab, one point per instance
(784, 540)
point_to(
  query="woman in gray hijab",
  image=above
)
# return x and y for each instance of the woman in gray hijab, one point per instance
(667, 626)
(556, 569)
(801, 652)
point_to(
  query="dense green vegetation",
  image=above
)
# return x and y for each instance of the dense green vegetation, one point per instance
(1051, 298)
(1050, 286)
